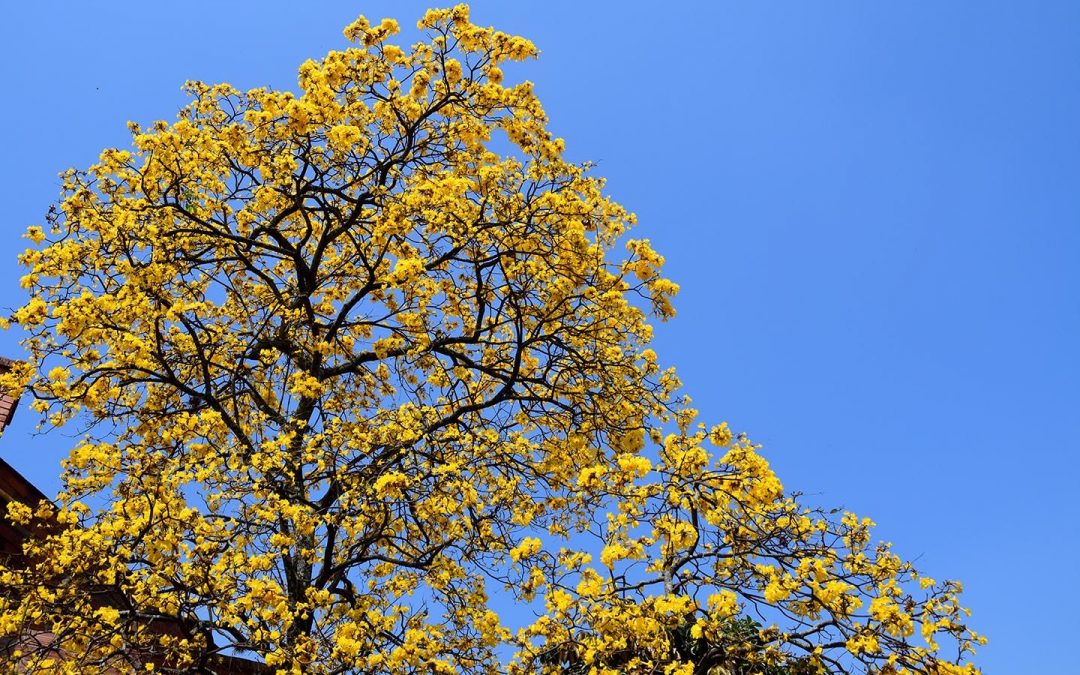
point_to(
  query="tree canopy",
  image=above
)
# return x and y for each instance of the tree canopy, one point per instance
(362, 380)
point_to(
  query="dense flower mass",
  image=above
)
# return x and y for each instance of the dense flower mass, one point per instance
(360, 364)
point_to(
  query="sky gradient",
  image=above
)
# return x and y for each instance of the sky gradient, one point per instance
(872, 210)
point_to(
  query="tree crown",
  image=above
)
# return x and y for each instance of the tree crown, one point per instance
(349, 361)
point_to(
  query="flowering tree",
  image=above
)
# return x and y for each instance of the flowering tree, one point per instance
(356, 364)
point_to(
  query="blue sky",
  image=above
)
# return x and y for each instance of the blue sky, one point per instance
(872, 209)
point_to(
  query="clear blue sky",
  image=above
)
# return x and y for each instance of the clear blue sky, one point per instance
(872, 208)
